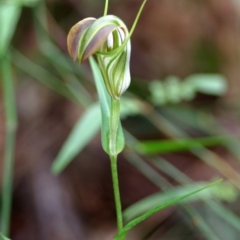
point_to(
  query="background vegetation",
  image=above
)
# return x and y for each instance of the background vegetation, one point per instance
(180, 115)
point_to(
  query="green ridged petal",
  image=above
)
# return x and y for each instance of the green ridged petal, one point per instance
(104, 36)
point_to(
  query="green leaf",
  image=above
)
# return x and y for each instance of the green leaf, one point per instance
(153, 200)
(45, 77)
(3, 237)
(9, 15)
(156, 209)
(28, 3)
(83, 132)
(105, 103)
(176, 145)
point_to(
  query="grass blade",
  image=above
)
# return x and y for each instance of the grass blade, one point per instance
(176, 145)
(153, 200)
(9, 15)
(10, 138)
(46, 78)
(169, 169)
(149, 213)
(83, 132)
(3, 237)
(150, 173)
(221, 210)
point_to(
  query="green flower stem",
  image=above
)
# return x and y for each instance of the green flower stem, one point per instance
(8, 160)
(116, 192)
(114, 124)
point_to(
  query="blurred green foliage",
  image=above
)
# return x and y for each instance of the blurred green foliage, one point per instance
(173, 90)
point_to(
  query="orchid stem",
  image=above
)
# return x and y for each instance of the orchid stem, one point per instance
(114, 125)
(116, 192)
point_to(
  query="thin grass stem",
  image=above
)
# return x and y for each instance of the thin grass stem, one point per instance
(105, 8)
(8, 160)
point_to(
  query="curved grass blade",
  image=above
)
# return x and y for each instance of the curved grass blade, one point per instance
(156, 209)
(9, 15)
(83, 132)
(153, 200)
(9, 142)
(221, 210)
(159, 181)
(163, 146)
(45, 77)
(120, 48)
(3, 237)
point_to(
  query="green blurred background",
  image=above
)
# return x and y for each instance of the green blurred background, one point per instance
(185, 68)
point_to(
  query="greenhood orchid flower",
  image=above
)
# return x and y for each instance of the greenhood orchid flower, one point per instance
(109, 39)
